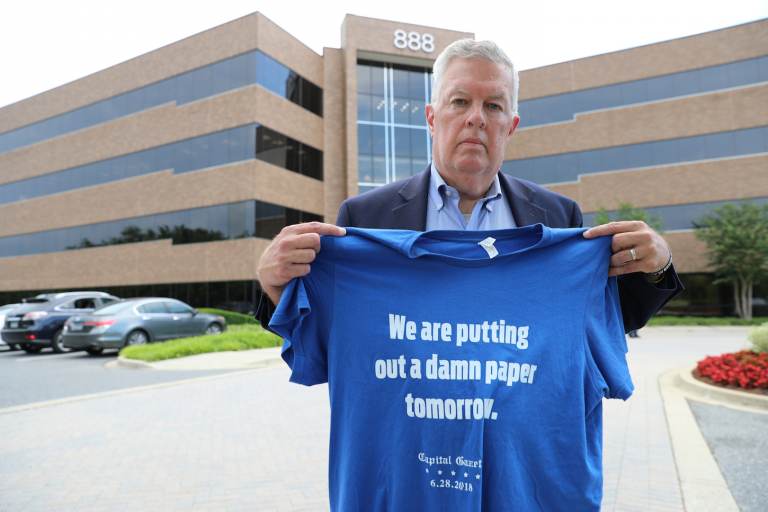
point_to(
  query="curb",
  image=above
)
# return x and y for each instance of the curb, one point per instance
(702, 391)
(702, 484)
(133, 363)
(238, 360)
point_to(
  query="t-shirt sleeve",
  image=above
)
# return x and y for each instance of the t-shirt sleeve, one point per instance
(299, 320)
(606, 343)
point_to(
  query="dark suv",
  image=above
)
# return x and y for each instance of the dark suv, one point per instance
(38, 323)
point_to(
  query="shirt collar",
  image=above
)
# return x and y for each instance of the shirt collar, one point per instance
(438, 187)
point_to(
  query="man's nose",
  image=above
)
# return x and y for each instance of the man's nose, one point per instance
(476, 117)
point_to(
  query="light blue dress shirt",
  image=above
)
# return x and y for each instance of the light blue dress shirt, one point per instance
(491, 212)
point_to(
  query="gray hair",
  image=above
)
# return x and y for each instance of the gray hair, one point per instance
(471, 49)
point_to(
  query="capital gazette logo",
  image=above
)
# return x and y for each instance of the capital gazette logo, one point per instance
(451, 472)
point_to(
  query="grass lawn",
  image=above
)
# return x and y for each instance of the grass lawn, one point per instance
(703, 320)
(237, 337)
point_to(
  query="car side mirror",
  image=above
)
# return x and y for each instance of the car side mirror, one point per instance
(194, 312)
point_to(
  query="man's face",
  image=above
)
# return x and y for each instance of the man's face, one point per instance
(471, 122)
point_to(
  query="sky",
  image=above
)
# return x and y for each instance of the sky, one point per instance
(47, 43)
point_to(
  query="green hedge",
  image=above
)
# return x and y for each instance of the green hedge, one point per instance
(237, 337)
(231, 317)
(703, 320)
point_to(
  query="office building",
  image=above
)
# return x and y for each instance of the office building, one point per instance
(169, 173)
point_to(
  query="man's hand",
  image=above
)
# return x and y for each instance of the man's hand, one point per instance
(635, 246)
(289, 255)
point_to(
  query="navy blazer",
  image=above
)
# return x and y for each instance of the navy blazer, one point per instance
(403, 205)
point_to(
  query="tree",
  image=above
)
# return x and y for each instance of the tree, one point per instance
(737, 239)
(627, 211)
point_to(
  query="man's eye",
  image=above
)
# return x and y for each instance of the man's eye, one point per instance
(494, 106)
(459, 101)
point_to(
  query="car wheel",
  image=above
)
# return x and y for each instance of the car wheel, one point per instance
(13, 346)
(32, 349)
(136, 338)
(57, 343)
(213, 329)
(94, 351)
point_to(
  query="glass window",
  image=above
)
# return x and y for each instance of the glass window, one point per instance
(177, 308)
(271, 74)
(152, 308)
(389, 148)
(189, 86)
(311, 161)
(681, 216)
(686, 149)
(85, 303)
(81, 303)
(364, 85)
(113, 309)
(214, 149)
(221, 222)
(564, 107)
(271, 146)
(364, 107)
(270, 219)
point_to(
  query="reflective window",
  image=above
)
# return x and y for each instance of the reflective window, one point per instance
(156, 308)
(568, 166)
(213, 149)
(112, 309)
(393, 141)
(221, 222)
(177, 308)
(254, 67)
(271, 218)
(682, 216)
(277, 149)
(563, 107)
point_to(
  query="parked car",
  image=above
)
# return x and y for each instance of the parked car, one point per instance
(136, 322)
(3, 311)
(39, 321)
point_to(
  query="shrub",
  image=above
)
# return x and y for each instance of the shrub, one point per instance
(745, 369)
(658, 321)
(759, 338)
(239, 337)
(231, 317)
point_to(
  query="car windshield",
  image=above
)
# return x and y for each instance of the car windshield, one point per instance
(113, 309)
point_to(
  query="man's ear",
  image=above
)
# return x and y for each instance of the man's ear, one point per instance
(515, 122)
(429, 112)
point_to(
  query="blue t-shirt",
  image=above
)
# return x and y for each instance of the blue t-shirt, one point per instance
(466, 369)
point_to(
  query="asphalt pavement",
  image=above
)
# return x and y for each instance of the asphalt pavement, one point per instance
(739, 443)
(30, 378)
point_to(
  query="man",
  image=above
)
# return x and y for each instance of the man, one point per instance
(472, 118)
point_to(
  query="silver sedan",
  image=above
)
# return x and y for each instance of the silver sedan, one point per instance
(136, 322)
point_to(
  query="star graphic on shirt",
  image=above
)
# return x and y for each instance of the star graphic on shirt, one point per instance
(465, 475)
(477, 477)
(426, 469)
(439, 471)
(453, 473)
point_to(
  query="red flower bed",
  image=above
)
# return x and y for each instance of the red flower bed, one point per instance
(745, 369)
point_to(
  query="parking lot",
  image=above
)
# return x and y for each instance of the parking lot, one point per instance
(30, 378)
